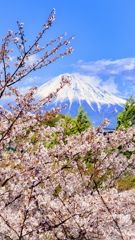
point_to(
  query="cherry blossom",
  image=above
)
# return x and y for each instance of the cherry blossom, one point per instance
(71, 189)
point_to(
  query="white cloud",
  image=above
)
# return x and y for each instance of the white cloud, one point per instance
(95, 80)
(110, 86)
(24, 90)
(33, 58)
(116, 76)
(104, 67)
(32, 80)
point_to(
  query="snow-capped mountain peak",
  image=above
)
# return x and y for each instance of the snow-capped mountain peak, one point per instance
(79, 90)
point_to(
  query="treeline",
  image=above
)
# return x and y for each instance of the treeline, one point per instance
(81, 122)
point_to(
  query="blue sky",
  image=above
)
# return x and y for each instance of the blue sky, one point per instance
(104, 44)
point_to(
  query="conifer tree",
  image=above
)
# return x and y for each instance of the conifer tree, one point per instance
(127, 117)
(82, 120)
(76, 125)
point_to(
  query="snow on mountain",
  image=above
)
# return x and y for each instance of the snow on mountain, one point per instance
(79, 90)
(96, 102)
(82, 91)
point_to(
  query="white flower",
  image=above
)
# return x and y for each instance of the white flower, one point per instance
(9, 58)
(10, 32)
(51, 18)
(21, 25)
(21, 46)
(16, 40)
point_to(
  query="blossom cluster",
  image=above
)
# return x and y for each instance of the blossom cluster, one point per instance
(63, 192)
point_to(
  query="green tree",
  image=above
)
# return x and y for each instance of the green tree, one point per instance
(82, 120)
(127, 117)
(54, 119)
(77, 124)
(68, 124)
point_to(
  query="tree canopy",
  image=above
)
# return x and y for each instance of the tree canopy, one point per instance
(76, 125)
(127, 117)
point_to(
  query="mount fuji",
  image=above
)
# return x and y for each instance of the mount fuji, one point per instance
(97, 102)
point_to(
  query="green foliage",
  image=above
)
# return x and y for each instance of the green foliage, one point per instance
(88, 156)
(82, 120)
(70, 125)
(53, 142)
(57, 191)
(89, 164)
(95, 175)
(125, 153)
(127, 117)
(78, 124)
(125, 183)
(54, 119)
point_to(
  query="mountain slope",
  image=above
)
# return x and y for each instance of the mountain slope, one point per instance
(81, 92)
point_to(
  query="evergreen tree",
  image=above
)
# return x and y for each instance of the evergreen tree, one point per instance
(71, 125)
(127, 117)
(82, 120)
(77, 124)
